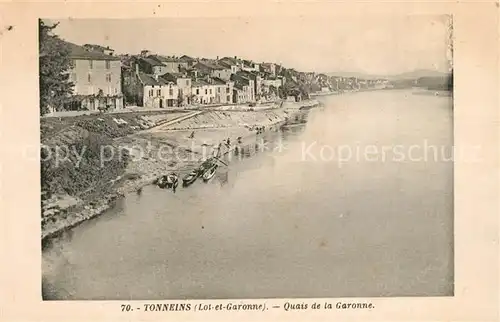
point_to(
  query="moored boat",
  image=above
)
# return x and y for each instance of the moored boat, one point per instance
(168, 181)
(209, 173)
(172, 181)
(207, 164)
(161, 182)
(190, 178)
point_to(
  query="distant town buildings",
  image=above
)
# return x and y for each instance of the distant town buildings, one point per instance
(105, 81)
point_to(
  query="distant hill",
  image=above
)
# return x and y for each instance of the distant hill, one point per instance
(407, 75)
(355, 74)
(418, 74)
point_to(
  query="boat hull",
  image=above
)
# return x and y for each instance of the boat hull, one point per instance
(209, 174)
(188, 180)
(168, 181)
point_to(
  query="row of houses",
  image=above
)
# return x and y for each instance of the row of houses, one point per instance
(147, 79)
(104, 81)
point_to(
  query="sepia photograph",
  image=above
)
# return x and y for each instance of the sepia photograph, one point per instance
(247, 157)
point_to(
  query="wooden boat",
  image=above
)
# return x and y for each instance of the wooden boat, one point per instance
(207, 164)
(172, 180)
(190, 178)
(168, 181)
(161, 182)
(209, 173)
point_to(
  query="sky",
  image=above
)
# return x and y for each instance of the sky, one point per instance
(382, 45)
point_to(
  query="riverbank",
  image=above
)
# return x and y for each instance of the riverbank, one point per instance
(149, 146)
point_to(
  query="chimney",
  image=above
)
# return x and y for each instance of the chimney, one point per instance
(217, 57)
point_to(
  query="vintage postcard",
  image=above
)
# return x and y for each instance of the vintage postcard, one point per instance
(199, 161)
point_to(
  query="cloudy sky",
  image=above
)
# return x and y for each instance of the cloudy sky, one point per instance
(375, 44)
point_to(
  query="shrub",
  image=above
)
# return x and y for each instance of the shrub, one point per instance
(73, 178)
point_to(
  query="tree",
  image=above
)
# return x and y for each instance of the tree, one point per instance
(54, 63)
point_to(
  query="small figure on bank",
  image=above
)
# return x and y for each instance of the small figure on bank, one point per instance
(191, 136)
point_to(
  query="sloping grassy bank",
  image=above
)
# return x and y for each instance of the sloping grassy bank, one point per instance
(82, 164)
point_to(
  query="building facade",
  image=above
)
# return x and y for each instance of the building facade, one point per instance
(203, 92)
(223, 91)
(214, 69)
(157, 92)
(97, 79)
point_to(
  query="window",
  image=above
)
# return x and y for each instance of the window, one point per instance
(229, 98)
(108, 77)
(218, 89)
(197, 91)
(210, 91)
(89, 78)
(187, 82)
(171, 91)
(206, 91)
(91, 64)
(158, 92)
(150, 93)
(108, 64)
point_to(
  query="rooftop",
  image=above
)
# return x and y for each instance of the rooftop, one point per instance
(152, 61)
(187, 58)
(224, 64)
(232, 60)
(210, 65)
(218, 81)
(78, 52)
(147, 79)
(200, 82)
(167, 59)
(173, 76)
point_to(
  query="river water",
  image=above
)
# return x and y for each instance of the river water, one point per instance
(299, 218)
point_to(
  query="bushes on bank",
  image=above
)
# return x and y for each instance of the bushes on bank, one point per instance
(80, 169)
(105, 127)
